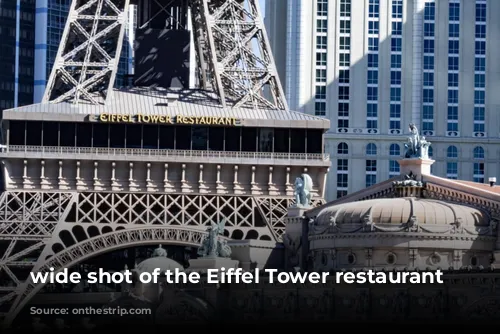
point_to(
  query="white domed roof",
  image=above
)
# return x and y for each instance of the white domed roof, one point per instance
(399, 211)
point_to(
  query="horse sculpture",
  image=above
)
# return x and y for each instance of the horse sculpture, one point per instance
(303, 191)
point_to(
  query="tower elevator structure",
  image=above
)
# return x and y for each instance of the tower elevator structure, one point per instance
(202, 133)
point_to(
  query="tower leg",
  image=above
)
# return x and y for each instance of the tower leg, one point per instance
(27, 224)
(240, 72)
(83, 68)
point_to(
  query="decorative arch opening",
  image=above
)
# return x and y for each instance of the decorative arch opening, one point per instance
(104, 243)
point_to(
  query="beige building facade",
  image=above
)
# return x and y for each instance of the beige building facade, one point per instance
(373, 66)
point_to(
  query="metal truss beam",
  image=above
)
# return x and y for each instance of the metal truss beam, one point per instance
(39, 230)
(233, 41)
(87, 60)
(100, 244)
(233, 52)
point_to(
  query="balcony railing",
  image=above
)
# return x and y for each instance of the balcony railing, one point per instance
(156, 153)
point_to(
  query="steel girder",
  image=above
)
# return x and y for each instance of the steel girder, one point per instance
(40, 229)
(233, 52)
(87, 60)
(232, 40)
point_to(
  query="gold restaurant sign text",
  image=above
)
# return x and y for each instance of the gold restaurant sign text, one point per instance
(162, 119)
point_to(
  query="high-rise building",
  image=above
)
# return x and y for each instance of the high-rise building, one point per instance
(17, 37)
(374, 66)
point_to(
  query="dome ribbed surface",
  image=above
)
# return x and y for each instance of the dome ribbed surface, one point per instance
(399, 210)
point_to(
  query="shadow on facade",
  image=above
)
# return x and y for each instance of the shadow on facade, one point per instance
(162, 58)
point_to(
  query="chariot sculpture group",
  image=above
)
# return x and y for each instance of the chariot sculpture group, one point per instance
(416, 147)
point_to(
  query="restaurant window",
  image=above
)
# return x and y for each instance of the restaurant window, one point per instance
(68, 134)
(50, 134)
(17, 132)
(314, 141)
(281, 140)
(216, 138)
(200, 138)
(83, 135)
(298, 141)
(100, 135)
(34, 133)
(183, 138)
(232, 139)
(265, 140)
(248, 139)
(167, 135)
(133, 135)
(150, 137)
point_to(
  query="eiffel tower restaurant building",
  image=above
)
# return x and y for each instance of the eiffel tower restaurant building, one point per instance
(206, 161)
(155, 166)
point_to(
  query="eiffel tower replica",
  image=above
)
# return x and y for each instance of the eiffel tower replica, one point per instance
(203, 133)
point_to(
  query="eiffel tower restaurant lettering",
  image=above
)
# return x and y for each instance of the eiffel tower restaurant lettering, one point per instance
(163, 119)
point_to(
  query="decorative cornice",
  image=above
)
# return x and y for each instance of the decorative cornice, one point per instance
(412, 226)
(411, 235)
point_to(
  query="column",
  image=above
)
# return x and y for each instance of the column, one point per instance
(418, 55)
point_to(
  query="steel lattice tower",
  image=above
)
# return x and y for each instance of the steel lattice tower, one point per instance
(230, 40)
(105, 198)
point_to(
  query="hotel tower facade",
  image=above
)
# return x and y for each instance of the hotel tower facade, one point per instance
(374, 66)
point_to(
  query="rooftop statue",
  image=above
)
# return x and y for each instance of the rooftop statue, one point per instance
(303, 191)
(159, 252)
(214, 246)
(416, 147)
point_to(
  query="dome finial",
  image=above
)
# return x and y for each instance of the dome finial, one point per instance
(159, 252)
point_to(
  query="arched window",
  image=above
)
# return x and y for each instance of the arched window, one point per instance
(478, 152)
(371, 149)
(342, 148)
(452, 152)
(478, 165)
(371, 165)
(452, 166)
(394, 150)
